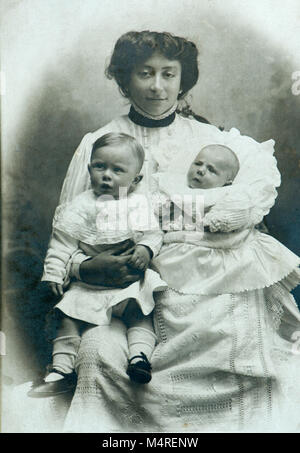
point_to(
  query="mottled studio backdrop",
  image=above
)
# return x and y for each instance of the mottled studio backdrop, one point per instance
(54, 91)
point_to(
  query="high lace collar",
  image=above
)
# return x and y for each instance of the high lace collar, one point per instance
(141, 118)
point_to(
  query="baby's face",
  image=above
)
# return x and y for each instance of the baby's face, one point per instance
(111, 168)
(211, 168)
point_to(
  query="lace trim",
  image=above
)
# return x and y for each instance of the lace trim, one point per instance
(262, 357)
(289, 281)
(232, 356)
(205, 407)
(160, 323)
(275, 310)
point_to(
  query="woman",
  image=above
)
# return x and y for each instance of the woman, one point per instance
(213, 368)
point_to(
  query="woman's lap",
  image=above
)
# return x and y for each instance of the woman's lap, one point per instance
(212, 369)
(220, 365)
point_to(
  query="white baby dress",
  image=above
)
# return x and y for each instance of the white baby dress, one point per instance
(93, 226)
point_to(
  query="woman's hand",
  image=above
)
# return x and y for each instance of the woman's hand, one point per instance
(111, 269)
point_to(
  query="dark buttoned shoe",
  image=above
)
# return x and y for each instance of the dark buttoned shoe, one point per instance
(140, 371)
(43, 389)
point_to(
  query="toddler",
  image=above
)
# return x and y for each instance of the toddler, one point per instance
(97, 220)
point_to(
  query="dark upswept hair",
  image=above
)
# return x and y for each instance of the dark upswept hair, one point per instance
(119, 138)
(135, 47)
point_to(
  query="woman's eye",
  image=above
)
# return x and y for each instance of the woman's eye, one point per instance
(169, 75)
(118, 170)
(199, 163)
(144, 74)
(211, 169)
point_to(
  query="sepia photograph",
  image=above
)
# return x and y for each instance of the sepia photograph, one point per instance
(150, 217)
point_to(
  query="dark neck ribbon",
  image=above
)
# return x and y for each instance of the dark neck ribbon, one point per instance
(141, 120)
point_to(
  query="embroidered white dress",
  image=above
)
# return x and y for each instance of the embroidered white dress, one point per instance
(235, 257)
(224, 362)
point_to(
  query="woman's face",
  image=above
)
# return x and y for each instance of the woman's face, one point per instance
(155, 84)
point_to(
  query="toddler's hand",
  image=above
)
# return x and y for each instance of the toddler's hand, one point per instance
(140, 258)
(56, 288)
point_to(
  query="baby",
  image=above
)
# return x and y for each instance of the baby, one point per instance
(219, 251)
(97, 220)
(214, 166)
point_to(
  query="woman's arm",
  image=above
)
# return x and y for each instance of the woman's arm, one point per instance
(258, 176)
(253, 192)
(77, 178)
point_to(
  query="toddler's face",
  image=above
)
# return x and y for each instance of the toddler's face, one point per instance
(111, 168)
(211, 168)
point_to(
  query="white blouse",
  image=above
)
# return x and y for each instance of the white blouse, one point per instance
(258, 168)
(174, 146)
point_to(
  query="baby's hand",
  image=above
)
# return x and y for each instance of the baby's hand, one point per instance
(56, 288)
(140, 258)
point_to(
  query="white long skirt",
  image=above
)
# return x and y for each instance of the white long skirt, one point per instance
(223, 363)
